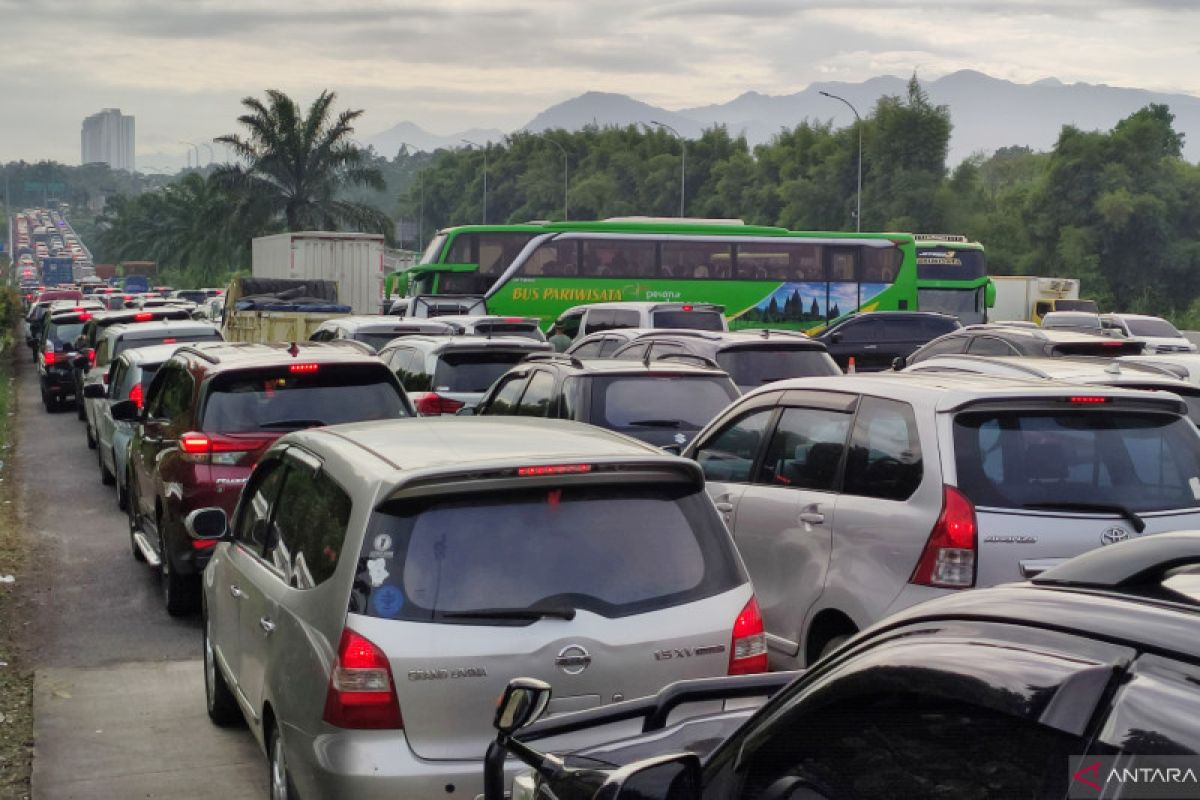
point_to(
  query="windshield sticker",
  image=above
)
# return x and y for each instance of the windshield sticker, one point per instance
(377, 571)
(382, 546)
(386, 601)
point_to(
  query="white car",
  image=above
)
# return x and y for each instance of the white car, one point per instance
(1159, 335)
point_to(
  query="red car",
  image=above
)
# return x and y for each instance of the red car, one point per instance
(208, 416)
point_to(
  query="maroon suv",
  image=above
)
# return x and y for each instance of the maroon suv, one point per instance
(209, 414)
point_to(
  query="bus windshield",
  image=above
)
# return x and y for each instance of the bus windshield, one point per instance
(950, 264)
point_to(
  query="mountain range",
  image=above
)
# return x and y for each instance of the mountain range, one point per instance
(987, 113)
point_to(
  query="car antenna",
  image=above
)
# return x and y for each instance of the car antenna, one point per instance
(646, 357)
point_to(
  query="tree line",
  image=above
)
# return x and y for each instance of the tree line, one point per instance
(1118, 209)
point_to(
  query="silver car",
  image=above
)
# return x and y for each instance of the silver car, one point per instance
(852, 498)
(381, 583)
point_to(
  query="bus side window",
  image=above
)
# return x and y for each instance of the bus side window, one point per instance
(606, 258)
(790, 262)
(880, 264)
(695, 260)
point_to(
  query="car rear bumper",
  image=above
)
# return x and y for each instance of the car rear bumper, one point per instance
(59, 383)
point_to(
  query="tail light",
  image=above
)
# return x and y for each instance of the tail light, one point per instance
(361, 693)
(50, 357)
(203, 448)
(749, 651)
(92, 357)
(145, 316)
(948, 561)
(431, 404)
(136, 395)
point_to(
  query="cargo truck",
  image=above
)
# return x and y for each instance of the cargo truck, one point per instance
(1029, 298)
(268, 310)
(353, 261)
(57, 270)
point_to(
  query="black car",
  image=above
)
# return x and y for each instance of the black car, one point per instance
(752, 358)
(999, 339)
(55, 355)
(1028, 690)
(877, 338)
(664, 402)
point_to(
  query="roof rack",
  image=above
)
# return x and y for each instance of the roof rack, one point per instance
(702, 361)
(1125, 565)
(571, 359)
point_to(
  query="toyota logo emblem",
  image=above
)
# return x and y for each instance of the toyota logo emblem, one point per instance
(1113, 535)
(573, 659)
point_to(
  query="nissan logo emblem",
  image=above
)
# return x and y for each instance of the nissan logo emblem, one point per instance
(1113, 535)
(573, 659)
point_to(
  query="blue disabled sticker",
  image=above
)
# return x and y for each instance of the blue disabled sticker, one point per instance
(387, 600)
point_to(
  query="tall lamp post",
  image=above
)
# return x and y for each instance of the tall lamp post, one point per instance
(484, 149)
(682, 161)
(858, 208)
(566, 183)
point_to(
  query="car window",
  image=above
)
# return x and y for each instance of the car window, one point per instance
(729, 455)
(902, 327)
(589, 349)
(570, 323)
(569, 397)
(599, 319)
(278, 399)
(634, 352)
(885, 451)
(538, 395)
(658, 349)
(63, 334)
(250, 528)
(1140, 724)
(861, 330)
(504, 401)
(473, 370)
(550, 545)
(609, 344)
(1153, 326)
(311, 520)
(952, 345)
(124, 344)
(646, 402)
(805, 451)
(690, 320)
(1018, 459)
(626, 318)
(753, 367)
(990, 346)
(174, 398)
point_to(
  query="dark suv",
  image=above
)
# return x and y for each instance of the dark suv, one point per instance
(209, 414)
(999, 339)
(664, 403)
(877, 338)
(56, 351)
(751, 358)
(1027, 690)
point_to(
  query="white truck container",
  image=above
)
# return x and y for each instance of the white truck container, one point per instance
(353, 260)
(1018, 296)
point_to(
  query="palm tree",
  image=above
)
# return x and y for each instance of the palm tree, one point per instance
(295, 165)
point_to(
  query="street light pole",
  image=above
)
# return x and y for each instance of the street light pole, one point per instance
(484, 149)
(858, 208)
(566, 183)
(682, 161)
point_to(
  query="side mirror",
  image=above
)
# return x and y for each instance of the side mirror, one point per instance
(899, 363)
(523, 701)
(123, 411)
(95, 391)
(835, 337)
(672, 777)
(206, 523)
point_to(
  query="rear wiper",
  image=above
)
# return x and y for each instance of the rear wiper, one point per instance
(293, 423)
(1138, 523)
(510, 613)
(657, 423)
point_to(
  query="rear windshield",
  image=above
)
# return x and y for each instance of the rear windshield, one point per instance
(644, 402)
(376, 340)
(692, 320)
(1152, 327)
(280, 400)
(547, 547)
(1076, 305)
(528, 330)
(1082, 321)
(196, 296)
(133, 344)
(1014, 459)
(1110, 347)
(63, 334)
(473, 371)
(754, 367)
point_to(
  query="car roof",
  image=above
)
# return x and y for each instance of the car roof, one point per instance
(472, 342)
(151, 328)
(149, 355)
(1075, 368)
(742, 336)
(472, 319)
(238, 355)
(1051, 335)
(1121, 315)
(459, 442)
(612, 366)
(951, 391)
(363, 321)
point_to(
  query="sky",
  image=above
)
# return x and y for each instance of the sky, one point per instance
(182, 66)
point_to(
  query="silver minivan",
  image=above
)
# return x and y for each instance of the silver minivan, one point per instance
(382, 582)
(852, 498)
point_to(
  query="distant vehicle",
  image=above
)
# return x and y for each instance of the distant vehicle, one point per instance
(491, 325)
(582, 320)
(542, 548)
(56, 349)
(1159, 335)
(602, 344)
(135, 284)
(1001, 340)
(57, 271)
(352, 261)
(375, 331)
(1024, 297)
(442, 305)
(1084, 321)
(875, 339)
(267, 310)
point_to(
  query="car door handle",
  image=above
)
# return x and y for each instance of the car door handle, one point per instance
(236, 591)
(266, 624)
(812, 517)
(725, 508)
(870, 346)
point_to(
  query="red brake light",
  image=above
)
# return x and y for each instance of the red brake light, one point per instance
(92, 357)
(1088, 400)
(687, 308)
(50, 357)
(136, 395)
(553, 469)
(203, 544)
(1111, 344)
(84, 317)
(195, 444)
(748, 653)
(78, 308)
(303, 368)
(514, 319)
(145, 316)
(170, 340)
(361, 693)
(431, 404)
(948, 561)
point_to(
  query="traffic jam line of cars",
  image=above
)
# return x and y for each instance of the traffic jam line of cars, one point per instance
(389, 527)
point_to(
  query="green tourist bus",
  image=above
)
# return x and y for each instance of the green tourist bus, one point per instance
(763, 276)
